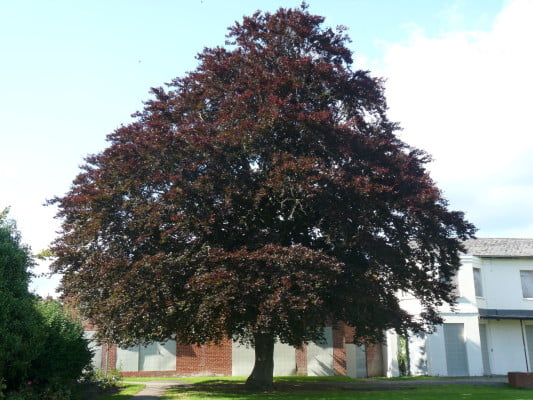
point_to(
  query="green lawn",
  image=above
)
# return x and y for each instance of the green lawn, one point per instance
(155, 378)
(210, 379)
(128, 390)
(303, 389)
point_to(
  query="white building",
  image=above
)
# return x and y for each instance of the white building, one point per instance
(490, 331)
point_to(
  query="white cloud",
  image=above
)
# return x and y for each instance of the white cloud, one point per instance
(465, 97)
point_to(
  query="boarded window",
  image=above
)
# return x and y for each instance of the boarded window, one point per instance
(243, 359)
(153, 357)
(320, 355)
(527, 283)
(478, 287)
(454, 344)
(96, 349)
(356, 360)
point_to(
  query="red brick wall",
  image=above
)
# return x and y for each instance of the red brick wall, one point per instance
(301, 360)
(339, 350)
(520, 379)
(109, 356)
(204, 360)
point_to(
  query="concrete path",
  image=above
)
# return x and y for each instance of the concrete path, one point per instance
(154, 390)
(386, 384)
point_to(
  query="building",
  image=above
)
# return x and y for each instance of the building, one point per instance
(337, 355)
(490, 331)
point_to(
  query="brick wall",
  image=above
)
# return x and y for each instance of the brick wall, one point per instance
(194, 360)
(301, 360)
(339, 350)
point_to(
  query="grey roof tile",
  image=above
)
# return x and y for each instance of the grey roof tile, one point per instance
(499, 247)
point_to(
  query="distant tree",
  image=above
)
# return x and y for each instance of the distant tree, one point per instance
(260, 197)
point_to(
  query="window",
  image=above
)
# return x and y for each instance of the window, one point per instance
(478, 287)
(527, 283)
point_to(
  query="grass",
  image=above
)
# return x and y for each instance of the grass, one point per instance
(422, 378)
(211, 379)
(296, 388)
(128, 390)
(153, 378)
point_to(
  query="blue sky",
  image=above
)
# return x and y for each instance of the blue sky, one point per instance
(458, 81)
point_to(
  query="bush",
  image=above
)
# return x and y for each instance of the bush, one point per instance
(66, 352)
(107, 379)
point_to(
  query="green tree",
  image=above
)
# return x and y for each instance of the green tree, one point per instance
(39, 341)
(20, 339)
(259, 197)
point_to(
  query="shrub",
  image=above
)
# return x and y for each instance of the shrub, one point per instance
(107, 379)
(66, 352)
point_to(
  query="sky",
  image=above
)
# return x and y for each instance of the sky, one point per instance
(458, 80)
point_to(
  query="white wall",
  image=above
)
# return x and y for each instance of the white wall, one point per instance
(391, 355)
(501, 283)
(506, 348)
(418, 354)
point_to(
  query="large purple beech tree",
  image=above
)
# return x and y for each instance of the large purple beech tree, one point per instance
(260, 197)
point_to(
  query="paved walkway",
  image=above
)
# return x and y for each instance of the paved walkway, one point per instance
(154, 390)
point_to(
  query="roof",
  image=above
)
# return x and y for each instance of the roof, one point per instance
(499, 247)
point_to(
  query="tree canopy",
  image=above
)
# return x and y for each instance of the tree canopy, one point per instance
(262, 195)
(19, 322)
(39, 342)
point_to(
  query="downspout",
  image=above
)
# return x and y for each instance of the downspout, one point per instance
(524, 343)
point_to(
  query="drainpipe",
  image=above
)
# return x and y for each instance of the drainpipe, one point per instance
(524, 344)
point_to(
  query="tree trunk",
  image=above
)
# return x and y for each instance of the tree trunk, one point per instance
(262, 375)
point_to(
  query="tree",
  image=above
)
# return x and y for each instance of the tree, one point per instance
(39, 341)
(20, 339)
(259, 197)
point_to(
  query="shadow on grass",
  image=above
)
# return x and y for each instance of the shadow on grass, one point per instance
(120, 392)
(217, 389)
